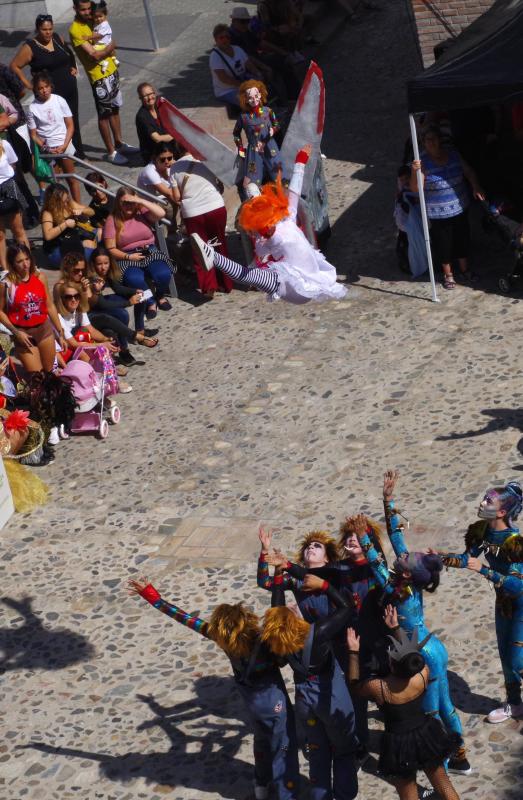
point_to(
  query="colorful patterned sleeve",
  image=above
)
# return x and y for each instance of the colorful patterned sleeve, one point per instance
(274, 121)
(511, 584)
(395, 529)
(265, 581)
(377, 564)
(237, 132)
(175, 612)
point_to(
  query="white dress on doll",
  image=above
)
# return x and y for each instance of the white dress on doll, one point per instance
(304, 273)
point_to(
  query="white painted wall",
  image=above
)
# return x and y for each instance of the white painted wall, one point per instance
(21, 14)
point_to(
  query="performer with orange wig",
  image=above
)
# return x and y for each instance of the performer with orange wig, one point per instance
(323, 702)
(295, 271)
(235, 629)
(259, 123)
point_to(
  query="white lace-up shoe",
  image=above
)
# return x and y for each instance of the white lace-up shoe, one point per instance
(508, 711)
(203, 251)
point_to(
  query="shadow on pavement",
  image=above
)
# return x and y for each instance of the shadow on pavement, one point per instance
(501, 419)
(32, 646)
(466, 700)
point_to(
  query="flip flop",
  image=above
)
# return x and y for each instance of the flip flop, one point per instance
(147, 341)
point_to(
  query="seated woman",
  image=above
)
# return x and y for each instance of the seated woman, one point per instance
(413, 740)
(130, 240)
(101, 203)
(65, 225)
(77, 328)
(148, 126)
(27, 310)
(103, 275)
(156, 177)
(73, 269)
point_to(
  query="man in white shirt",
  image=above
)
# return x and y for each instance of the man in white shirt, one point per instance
(230, 66)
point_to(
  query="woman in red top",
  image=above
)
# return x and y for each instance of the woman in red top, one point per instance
(27, 310)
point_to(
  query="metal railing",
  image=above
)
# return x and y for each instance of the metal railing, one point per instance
(158, 226)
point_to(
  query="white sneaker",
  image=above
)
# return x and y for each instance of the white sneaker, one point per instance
(54, 437)
(203, 251)
(128, 148)
(116, 158)
(507, 711)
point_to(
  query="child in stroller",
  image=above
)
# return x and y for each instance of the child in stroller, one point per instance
(93, 384)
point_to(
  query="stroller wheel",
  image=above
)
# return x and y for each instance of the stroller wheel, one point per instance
(504, 285)
(104, 429)
(116, 415)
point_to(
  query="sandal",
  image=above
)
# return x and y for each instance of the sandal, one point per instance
(469, 276)
(164, 305)
(146, 341)
(151, 312)
(449, 282)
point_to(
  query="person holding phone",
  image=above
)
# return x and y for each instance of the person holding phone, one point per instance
(27, 310)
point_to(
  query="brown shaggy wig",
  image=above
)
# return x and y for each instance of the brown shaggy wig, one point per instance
(324, 538)
(374, 530)
(512, 548)
(234, 629)
(283, 632)
(242, 93)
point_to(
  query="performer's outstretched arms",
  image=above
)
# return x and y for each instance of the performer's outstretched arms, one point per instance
(149, 593)
(512, 584)
(392, 518)
(295, 186)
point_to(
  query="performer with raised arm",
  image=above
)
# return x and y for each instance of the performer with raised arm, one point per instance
(412, 740)
(323, 701)
(497, 538)
(295, 270)
(437, 700)
(235, 629)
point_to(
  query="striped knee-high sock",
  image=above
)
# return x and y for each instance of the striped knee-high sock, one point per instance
(264, 279)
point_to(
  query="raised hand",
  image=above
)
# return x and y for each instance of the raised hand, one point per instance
(359, 525)
(474, 564)
(390, 617)
(353, 640)
(389, 483)
(265, 537)
(137, 587)
(276, 559)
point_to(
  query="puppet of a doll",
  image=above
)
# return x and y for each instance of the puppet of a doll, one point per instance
(259, 124)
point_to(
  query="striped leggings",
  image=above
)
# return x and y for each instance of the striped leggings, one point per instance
(265, 279)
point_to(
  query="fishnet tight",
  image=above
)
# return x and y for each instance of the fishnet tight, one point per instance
(408, 790)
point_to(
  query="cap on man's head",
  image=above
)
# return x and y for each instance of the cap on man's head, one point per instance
(240, 12)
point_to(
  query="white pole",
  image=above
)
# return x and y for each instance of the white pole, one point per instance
(424, 220)
(150, 25)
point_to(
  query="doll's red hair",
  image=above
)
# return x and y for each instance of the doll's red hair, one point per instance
(268, 209)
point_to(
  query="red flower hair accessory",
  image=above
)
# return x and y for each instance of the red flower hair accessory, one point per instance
(16, 421)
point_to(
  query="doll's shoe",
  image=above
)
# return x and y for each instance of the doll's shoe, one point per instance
(54, 438)
(508, 711)
(203, 252)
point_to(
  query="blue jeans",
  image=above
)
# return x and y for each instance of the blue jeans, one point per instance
(54, 256)
(135, 278)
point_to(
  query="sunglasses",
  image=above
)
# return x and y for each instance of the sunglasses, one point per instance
(71, 296)
(77, 269)
(165, 159)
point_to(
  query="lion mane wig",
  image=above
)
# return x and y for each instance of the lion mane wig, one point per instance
(234, 628)
(266, 210)
(242, 92)
(374, 530)
(324, 538)
(283, 632)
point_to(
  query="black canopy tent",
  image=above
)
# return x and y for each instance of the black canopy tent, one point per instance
(483, 65)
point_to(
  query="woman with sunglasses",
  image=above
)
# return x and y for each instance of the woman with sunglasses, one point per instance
(73, 269)
(76, 325)
(46, 50)
(148, 126)
(27, 310)
(156, 177)
(129, 238)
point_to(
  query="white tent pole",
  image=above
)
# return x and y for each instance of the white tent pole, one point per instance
(424, 220)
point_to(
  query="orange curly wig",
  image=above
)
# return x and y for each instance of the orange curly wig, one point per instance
(283, 632)
(268, 209)
(324, 538)
(234, 629)
(242, 93)
(373, 529)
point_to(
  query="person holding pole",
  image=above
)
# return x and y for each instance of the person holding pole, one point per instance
(444, 181)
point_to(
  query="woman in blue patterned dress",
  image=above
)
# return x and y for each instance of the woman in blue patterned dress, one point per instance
(447, 198)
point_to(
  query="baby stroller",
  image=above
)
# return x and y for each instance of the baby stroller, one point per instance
(510, 233)
(92, 385)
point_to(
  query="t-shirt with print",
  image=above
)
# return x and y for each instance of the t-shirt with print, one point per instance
(233, 65)
(79, 33)
(7, 158)
(48, 119)
(72, 321)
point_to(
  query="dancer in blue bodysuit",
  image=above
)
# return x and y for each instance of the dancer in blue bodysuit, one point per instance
(500, 542)
(437, 700)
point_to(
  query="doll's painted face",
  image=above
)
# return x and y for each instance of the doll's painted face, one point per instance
(253, 97)
(490, 505)
(315, 555)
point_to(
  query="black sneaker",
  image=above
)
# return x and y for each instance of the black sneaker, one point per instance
(459, 766)
(126, 358)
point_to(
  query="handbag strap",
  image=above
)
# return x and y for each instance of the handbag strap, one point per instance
(190, 169)
(229, 66)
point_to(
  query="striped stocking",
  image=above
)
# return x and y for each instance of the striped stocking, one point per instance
(265, 279)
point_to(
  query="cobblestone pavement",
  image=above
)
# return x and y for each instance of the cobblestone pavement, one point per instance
(246, 412)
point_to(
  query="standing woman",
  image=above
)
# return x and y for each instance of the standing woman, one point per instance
(48, 51)
(148, 126)
(445, 178)
(12, 201)
(50, 123)
(27, 310)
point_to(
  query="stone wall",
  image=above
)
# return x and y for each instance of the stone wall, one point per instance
(438, 20)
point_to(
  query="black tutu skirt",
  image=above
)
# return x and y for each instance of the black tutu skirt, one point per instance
(426, 746)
